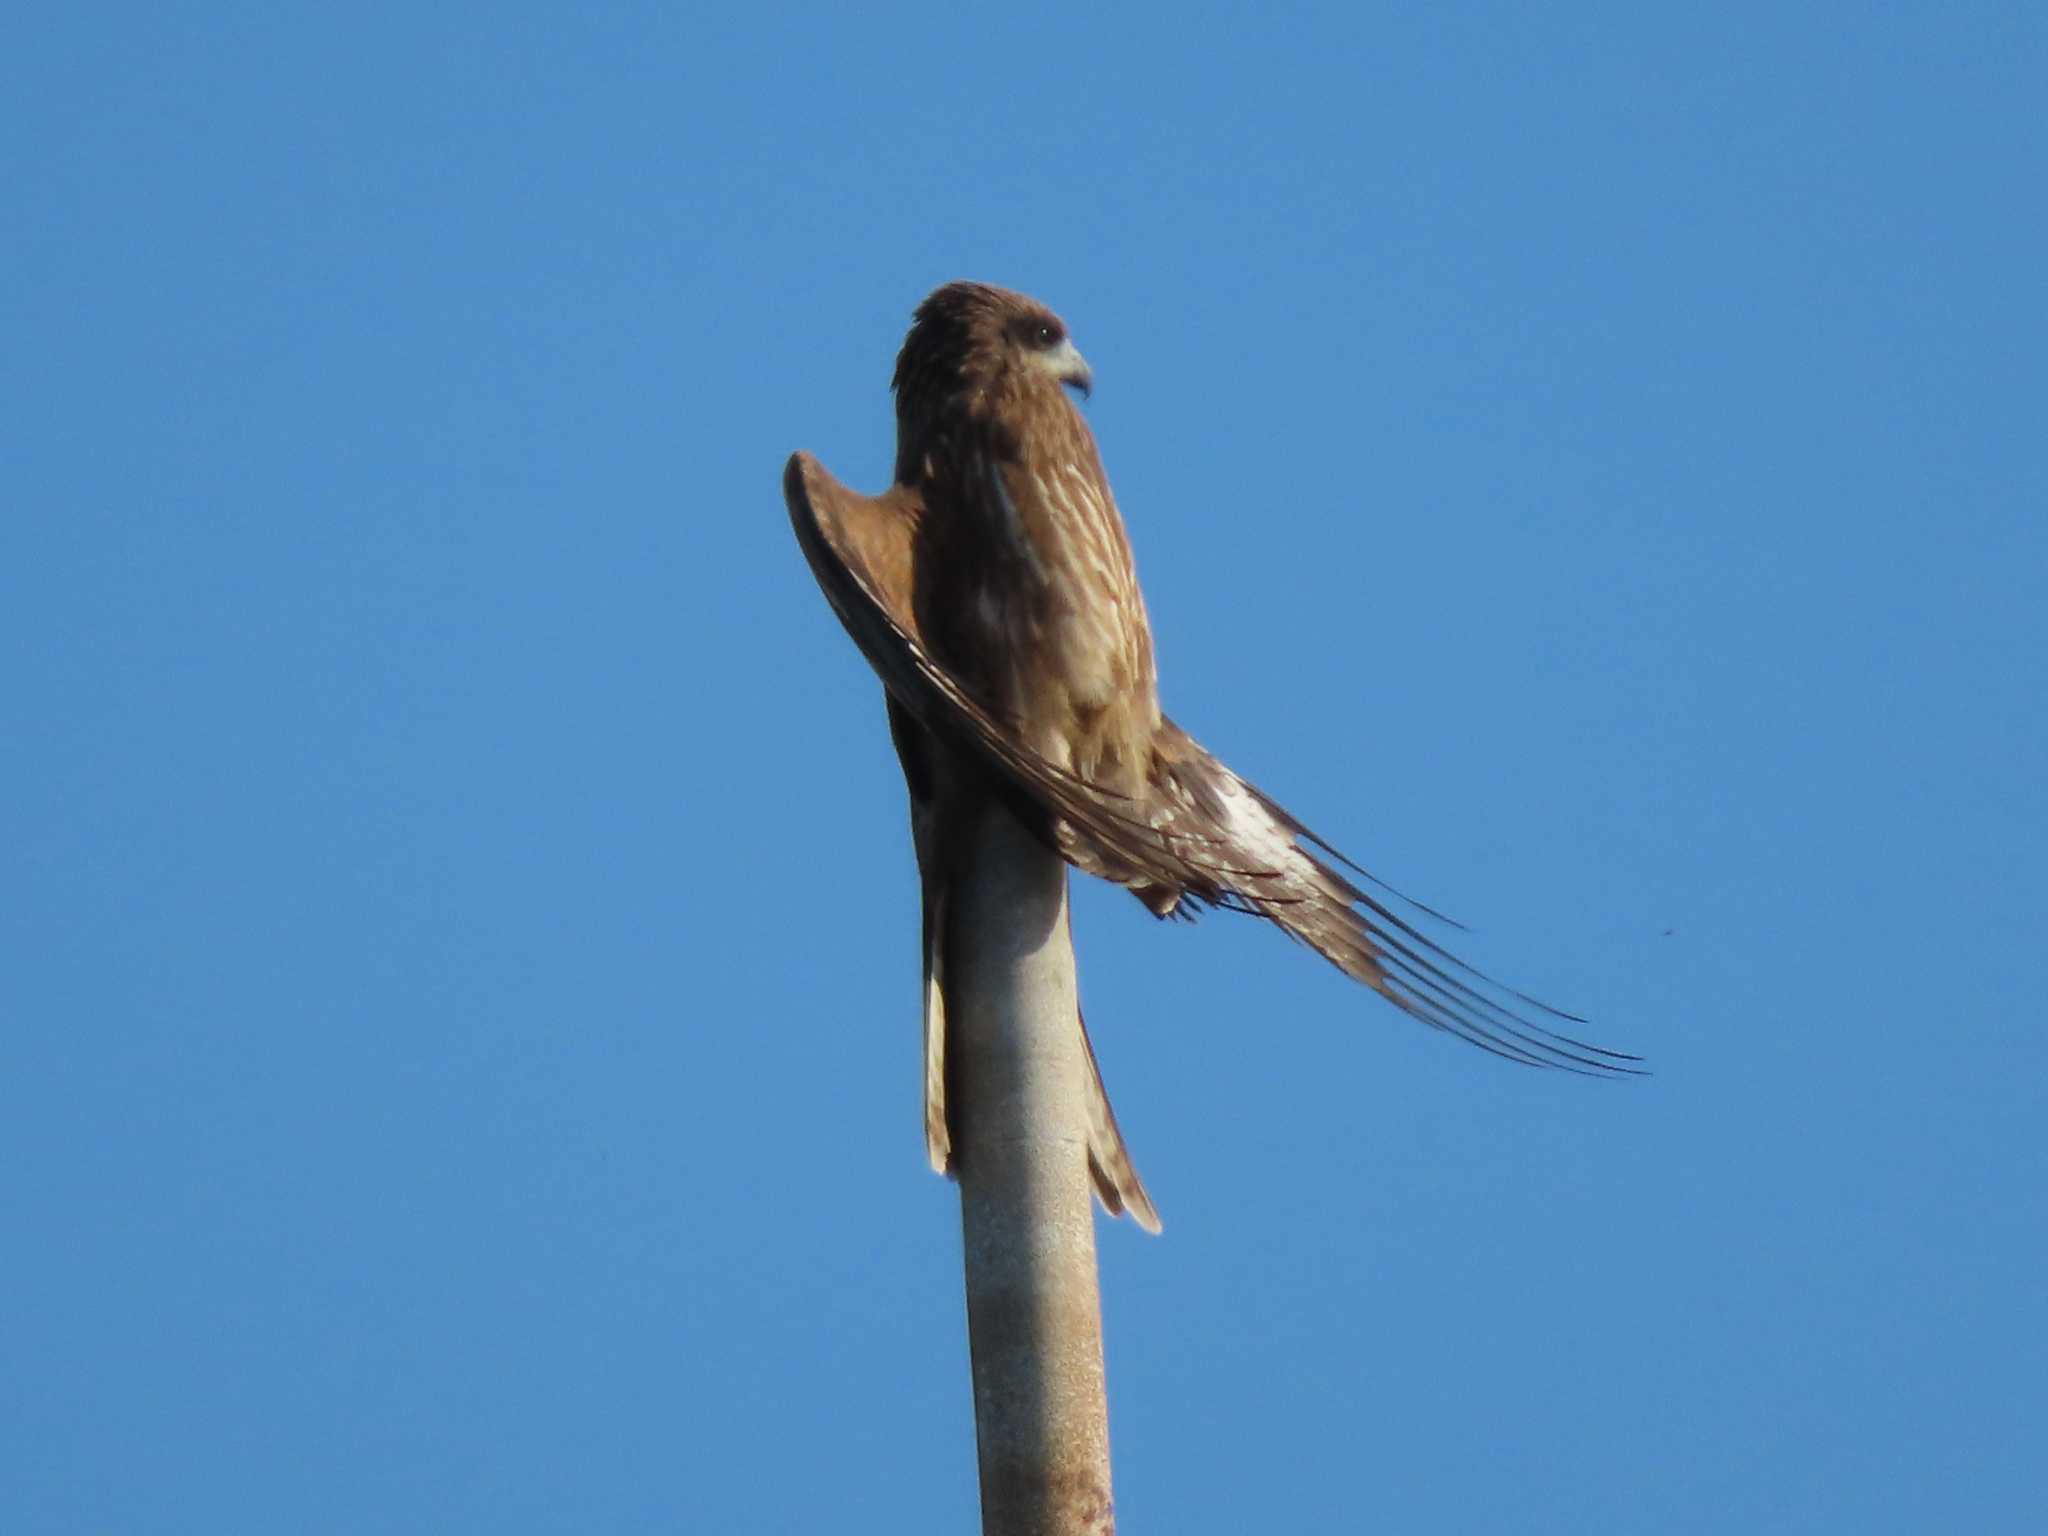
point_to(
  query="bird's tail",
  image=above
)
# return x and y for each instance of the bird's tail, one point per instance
(1114, 1175)
(1117, 1184)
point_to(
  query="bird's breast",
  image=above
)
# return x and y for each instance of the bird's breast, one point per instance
(1027, 588)
(1073, 624)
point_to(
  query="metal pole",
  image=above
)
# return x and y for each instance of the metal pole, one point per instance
(1034, 1311)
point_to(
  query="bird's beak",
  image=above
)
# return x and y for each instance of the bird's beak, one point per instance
(1070, 367)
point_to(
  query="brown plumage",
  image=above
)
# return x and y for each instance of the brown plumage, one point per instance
(992, 588)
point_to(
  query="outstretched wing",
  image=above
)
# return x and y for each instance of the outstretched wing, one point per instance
(1200, 832)
(1277, 875)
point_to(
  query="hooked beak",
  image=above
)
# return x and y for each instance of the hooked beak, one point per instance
(1070, 367)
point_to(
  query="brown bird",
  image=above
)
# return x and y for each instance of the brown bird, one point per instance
(992, 588)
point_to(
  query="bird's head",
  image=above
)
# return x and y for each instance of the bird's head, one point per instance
(978, 345)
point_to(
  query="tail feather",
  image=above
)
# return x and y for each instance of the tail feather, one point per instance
(938, 1136)
(1117, 1184)
(1110, 1168)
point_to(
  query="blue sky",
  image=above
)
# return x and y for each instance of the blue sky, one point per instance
(457, 947)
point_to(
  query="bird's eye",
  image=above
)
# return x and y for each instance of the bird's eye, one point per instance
(1042, 335)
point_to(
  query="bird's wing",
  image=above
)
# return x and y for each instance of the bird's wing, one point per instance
(1281, 878)
(1205, 832)
(860, 550)
(1201, 831)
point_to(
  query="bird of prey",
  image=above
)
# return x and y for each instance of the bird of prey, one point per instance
(992, 588)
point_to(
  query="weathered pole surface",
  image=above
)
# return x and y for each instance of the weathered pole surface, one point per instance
(1034, 1310)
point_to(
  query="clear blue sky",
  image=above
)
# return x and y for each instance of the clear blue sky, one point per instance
(457, 927)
